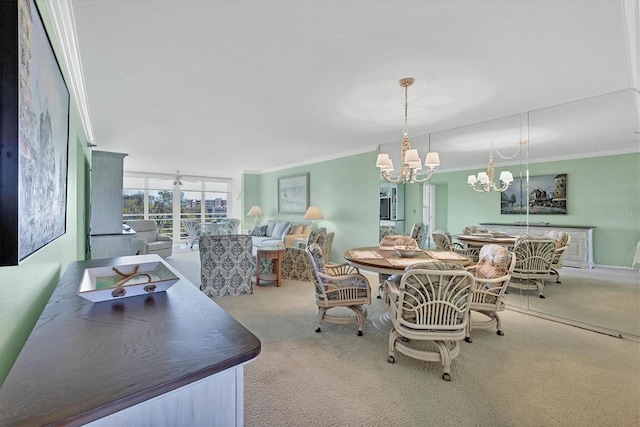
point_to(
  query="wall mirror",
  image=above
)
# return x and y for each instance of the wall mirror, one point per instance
(554, 134)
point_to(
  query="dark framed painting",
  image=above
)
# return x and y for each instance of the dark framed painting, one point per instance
(34, 122)
(293, 193)
(545, 194)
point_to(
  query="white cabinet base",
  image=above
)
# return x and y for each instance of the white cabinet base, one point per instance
(213, 401)
(580, 251)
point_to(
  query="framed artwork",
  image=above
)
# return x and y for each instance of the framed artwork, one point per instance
(293, 193)
(34, 122)
(547, 194)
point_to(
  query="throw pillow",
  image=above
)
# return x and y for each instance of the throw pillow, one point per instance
(287, 230)
(306, 229)
(279, 228)
(271, 223)
(493, 262)
(259, 231)
(297, 229)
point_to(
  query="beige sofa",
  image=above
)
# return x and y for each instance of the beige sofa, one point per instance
(273, 232)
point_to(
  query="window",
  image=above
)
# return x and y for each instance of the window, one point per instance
(152, 197)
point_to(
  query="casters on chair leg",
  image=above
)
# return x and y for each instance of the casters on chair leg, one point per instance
(359, 333)
(391, 359)
(542, 296)
(318, 330)
(558, 281)
(500, 332)
(446, 376)
(468, 339)
(379, 297)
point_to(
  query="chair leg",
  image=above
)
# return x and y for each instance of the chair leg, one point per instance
(393, 335)
(498, 324)
(321, 312)
(445, 357)
(468, 330)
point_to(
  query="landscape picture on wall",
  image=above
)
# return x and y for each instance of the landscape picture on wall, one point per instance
(545, 194)
(43, 136)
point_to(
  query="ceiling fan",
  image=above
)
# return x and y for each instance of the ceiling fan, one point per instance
(177, 180)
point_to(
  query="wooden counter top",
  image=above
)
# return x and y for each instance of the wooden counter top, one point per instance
(86, 360)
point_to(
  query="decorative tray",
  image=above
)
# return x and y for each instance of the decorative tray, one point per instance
(127, 280)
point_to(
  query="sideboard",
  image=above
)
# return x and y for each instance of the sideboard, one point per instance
(166, 358)
(578, 254)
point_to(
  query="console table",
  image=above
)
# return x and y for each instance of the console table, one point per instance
(578, 254)
(167, 358)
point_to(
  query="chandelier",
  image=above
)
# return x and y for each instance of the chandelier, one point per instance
(411, 163)
(484, 181)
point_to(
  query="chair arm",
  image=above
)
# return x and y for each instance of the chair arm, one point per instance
(499, 281)
(348, 280)
(139, 246)
(162, 237)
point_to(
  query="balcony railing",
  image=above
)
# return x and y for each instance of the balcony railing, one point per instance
(165, 224)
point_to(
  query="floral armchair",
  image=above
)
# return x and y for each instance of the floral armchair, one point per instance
(562, 240)
(295, 263)
(338, 285)
(226, 264)
(492, 273)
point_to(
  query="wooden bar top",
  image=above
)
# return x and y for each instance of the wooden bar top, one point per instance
(86, 360)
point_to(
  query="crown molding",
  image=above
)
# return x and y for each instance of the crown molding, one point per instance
(64, 25)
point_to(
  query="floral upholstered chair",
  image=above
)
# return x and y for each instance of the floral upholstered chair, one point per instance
(492, 274)
(562, 240)
(338, 285)
(226, 263)
(418, 233)
(431, 303)
(534, 256)
(295, 263)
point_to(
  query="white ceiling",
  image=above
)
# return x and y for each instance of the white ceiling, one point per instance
(212, 88)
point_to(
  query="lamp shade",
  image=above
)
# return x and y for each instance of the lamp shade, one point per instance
(506, 176)
(432, 160)
(411, 156)
(313, 213)
(382, 160)
(255, 211)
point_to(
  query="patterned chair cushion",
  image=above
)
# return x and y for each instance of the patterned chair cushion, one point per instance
(560, 237)
(295, 265)
(318, 257)
(494, 262)
(259, 230)
(226, 264)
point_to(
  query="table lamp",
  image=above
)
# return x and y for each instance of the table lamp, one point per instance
(255, 211)
(313, 213)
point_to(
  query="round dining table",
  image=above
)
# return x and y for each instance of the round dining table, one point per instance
(385, 260)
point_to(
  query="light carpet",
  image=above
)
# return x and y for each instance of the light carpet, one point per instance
(539, 373)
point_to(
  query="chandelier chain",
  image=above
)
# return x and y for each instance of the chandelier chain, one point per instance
(493, 148)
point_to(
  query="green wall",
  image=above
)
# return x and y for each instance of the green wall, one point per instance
(346, 190)
(602, 191)
(26, 288)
